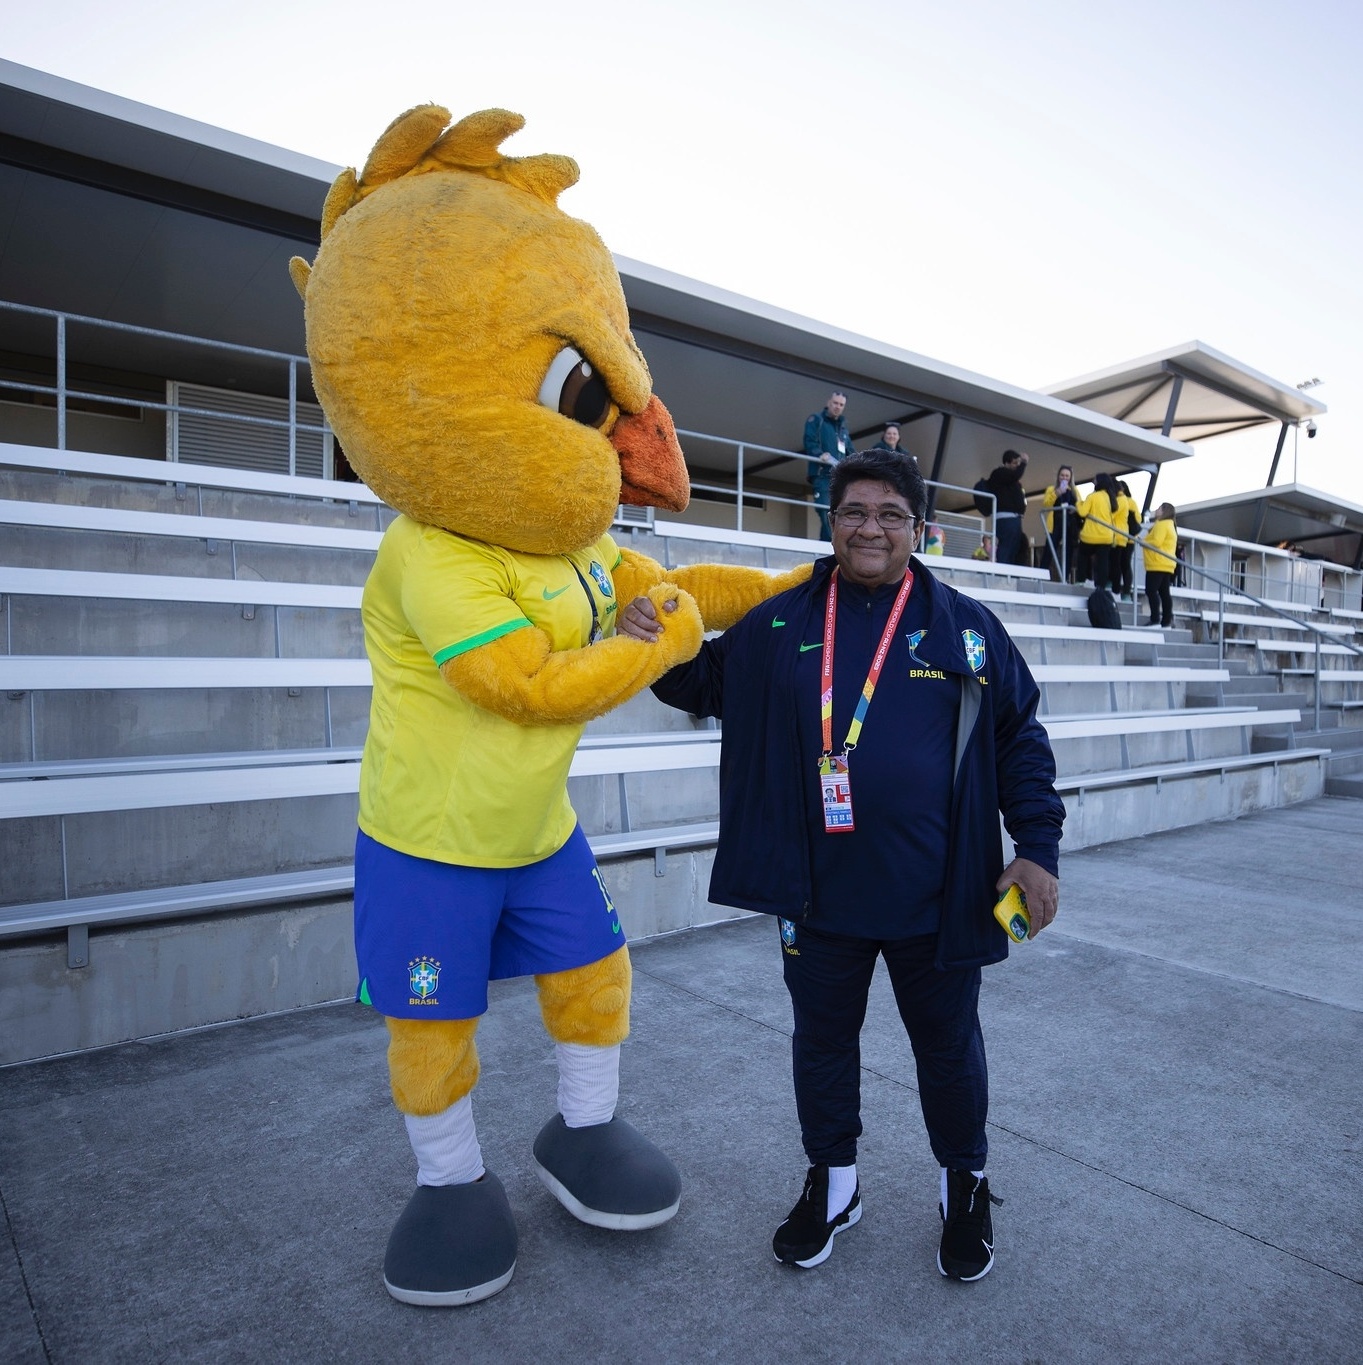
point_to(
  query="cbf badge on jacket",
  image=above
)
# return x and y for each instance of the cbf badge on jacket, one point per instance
(974, 650)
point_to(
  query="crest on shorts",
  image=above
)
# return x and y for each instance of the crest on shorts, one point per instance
(788, 932)
(974, 650)
(423, 976)
(602, 578)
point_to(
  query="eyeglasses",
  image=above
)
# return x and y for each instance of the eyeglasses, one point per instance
(888, 518)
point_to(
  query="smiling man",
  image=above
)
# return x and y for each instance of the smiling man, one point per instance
(875, 724)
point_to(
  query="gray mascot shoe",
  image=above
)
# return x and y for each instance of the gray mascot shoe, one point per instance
(453, 1244)
(608, 1175)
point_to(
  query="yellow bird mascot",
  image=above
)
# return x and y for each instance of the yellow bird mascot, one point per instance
(471, 347)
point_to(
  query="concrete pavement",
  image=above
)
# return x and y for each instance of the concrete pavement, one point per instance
(1174, 1128)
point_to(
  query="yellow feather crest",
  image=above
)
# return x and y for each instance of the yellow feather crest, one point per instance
(420, 141)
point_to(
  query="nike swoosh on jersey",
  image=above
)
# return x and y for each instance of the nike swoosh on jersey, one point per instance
(549, 596)
(815, 646)
(776, 623)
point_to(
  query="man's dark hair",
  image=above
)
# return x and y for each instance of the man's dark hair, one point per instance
(1011, 456)
(881, 466)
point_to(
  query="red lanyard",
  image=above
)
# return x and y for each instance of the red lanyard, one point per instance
(877, 663)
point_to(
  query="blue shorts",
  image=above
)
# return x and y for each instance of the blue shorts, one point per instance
(429, 936)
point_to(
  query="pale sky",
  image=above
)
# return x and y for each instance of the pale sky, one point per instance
(1031, 191)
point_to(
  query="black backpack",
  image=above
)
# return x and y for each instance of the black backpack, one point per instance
(1103, 611)
(984, 504)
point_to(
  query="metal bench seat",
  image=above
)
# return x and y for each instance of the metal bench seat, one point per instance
(71, 517)
(105, 586)
(1275, 623)
(1166, 772)
(154, 783)
(82, 672)
(1094, 725)
(127, 467)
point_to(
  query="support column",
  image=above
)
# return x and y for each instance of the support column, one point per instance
(1261, 512)
(938, 459)
(1170, 412)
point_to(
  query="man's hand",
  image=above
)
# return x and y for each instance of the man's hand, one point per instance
(1041, 889)
(640, 621)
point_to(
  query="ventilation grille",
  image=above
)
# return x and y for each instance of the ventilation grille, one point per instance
(633, 516)
(210, 436)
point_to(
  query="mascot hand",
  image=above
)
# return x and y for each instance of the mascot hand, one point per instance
(725, 593)
(520, 678)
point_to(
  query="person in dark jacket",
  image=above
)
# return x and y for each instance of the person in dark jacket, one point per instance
(827, 441)
(890, 441)
(1005, 483)
(875, 831)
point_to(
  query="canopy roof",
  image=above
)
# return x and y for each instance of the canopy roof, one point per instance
(1320, 523)
(115, 210)
(1189, 391)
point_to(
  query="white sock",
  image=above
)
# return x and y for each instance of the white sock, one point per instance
(446, 1146)
(979, 1175)
(842, 1185)
(588, 1083)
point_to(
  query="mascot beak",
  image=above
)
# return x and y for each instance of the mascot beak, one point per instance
(652, 468)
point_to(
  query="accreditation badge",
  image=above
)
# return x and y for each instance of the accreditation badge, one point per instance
(836, 786)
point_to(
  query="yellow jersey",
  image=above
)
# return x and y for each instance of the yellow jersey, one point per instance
(442, 778)
(1094, 508)
(1161, 536)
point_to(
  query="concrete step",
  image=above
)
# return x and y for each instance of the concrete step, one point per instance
(114, 626)
(1351, 784)
(1339, 740)
(138, 495)
(1347, 764)
(41, 547)
(1237, 685)
(1265, 701)
(1187, 654)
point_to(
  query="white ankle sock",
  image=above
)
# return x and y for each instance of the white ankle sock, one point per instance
(842, 1185)
(979, 1175)
(588, 1083)
(446, 1145)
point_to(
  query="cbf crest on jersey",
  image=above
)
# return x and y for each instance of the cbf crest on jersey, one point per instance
(916, 638)
(603, 580)
(423, 976)
(974, 650)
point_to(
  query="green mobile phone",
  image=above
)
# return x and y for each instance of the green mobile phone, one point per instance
(1011, 913)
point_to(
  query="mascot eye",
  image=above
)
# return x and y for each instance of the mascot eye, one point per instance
(572, 387)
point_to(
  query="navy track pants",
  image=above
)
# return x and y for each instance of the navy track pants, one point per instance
(829, 977)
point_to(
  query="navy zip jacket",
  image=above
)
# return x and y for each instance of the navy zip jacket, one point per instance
(1002, 759)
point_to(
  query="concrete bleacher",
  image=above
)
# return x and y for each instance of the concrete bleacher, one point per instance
(185, 693)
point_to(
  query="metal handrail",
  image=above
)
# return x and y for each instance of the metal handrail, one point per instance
(63, 393)
(742, 448)
(1222, 588)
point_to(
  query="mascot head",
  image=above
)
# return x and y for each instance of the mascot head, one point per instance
(470, 342)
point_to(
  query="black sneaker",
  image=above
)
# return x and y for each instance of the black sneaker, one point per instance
(967, 1249)
(806, 1237)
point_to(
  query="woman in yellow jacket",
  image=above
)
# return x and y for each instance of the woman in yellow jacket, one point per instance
(1123, 548)
(1157, 553)
(1062, 524)
(1095, 539)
